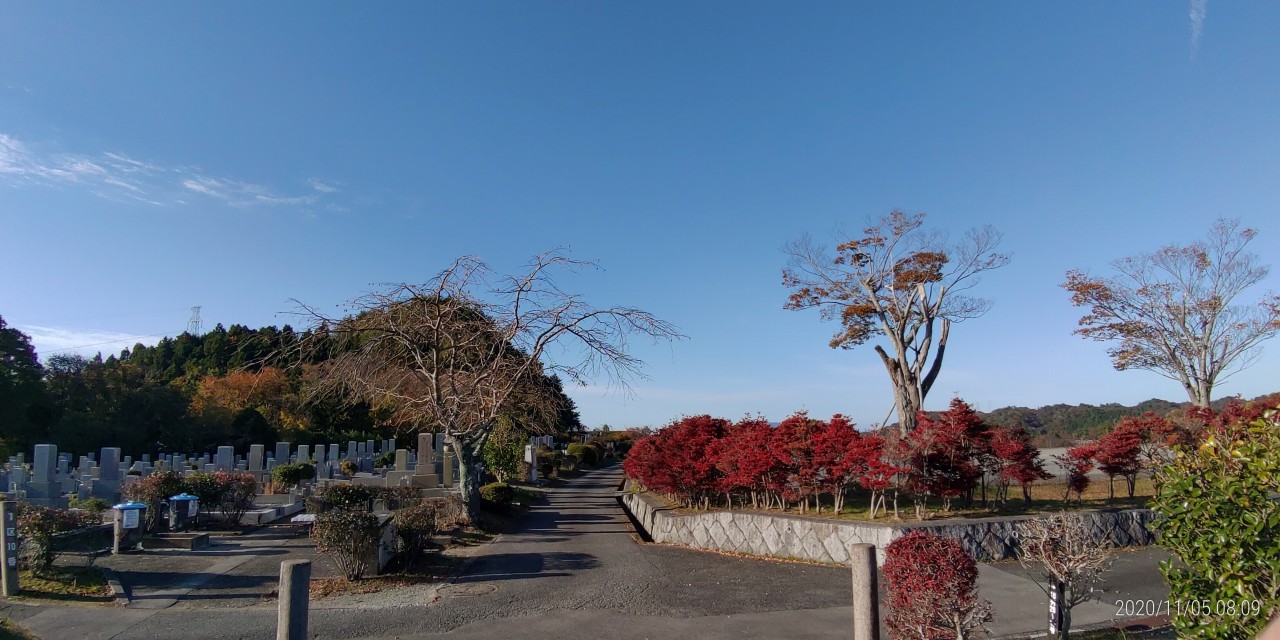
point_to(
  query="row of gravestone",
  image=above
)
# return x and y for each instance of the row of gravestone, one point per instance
(52, 477)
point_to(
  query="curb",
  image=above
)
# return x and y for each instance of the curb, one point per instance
(118, 591)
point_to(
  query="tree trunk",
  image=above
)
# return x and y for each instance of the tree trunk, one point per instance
(470, 466)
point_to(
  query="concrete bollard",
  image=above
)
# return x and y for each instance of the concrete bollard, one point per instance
(294, 592)
(866, 592)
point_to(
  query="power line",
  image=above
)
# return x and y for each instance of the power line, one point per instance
(99, 344)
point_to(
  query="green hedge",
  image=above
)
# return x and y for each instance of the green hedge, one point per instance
(498, 493)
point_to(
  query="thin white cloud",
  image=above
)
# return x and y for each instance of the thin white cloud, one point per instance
(1199, 9)
(321, 186)
(116, 176)
(51, 341)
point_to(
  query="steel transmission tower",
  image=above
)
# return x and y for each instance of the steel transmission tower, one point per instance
(193, 326)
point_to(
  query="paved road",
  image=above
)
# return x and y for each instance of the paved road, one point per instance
(571, 570)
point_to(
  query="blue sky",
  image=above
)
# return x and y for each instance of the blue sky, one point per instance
(156, 156)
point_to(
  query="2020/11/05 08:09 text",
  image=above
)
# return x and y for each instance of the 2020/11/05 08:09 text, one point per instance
(1195, 608)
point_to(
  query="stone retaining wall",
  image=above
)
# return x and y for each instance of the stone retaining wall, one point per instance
(787, 536)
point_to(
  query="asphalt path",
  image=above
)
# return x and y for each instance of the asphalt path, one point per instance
(571, 568)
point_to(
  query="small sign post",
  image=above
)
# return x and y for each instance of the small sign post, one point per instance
(9, 552)
(1056, 592)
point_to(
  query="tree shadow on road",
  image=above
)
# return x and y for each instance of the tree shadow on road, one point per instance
(520, 566)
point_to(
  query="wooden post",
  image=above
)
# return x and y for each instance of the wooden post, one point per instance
(294, 592)
(866, 592)
(9, 552)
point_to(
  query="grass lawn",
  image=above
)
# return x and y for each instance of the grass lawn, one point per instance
(11, 631)
(74, 584)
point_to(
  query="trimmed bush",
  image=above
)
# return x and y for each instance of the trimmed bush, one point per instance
(586, 454)
(154, 491)
(451, 513)
(345, 497)
(385, 459)
(292, 475)
(351, 537)
(499, 493)
(547, 464)
(349, 467)
(398, 497)
(415, 525)
(932, 585)
(209, 491)
(36, 529)
(237, 499)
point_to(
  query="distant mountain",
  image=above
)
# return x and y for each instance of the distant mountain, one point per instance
(1070, 422)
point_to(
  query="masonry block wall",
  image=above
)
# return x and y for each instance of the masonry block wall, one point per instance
(787, 536)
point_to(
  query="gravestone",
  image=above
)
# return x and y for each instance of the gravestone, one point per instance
(107, 486)
(226, 458)
(333, 453)
(304, 453)
(424, 474)
(256, 452)
(448, 467)
(352, 450)
(402, 459)
(282, 453)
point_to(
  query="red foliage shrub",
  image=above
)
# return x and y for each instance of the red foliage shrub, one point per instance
(1078, 462)
(1018, 461)
(932, 588)
(679, 459)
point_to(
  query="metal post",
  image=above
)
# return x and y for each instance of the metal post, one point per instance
(866, 592)
(294, 590)
(9, 552)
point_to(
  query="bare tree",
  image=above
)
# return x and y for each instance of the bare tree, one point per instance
(455, 353)
(1171, 311)
(1071, 561)
(900, 282)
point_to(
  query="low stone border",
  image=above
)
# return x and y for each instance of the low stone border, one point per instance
(797, 537)
(117, 588)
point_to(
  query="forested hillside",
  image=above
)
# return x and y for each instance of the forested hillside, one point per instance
(236, 385)
(1057, 423)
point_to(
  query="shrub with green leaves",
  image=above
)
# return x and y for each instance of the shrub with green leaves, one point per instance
(344, 497)
(385, 459)
(397, 497)
(292, 475)
(502, 459)
(351, 537)
(1218, 515)
(154, 491)
(37, 527)
(584, 453)
(415, 525)
(499, 493)
(349, 467)
(208, 490)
